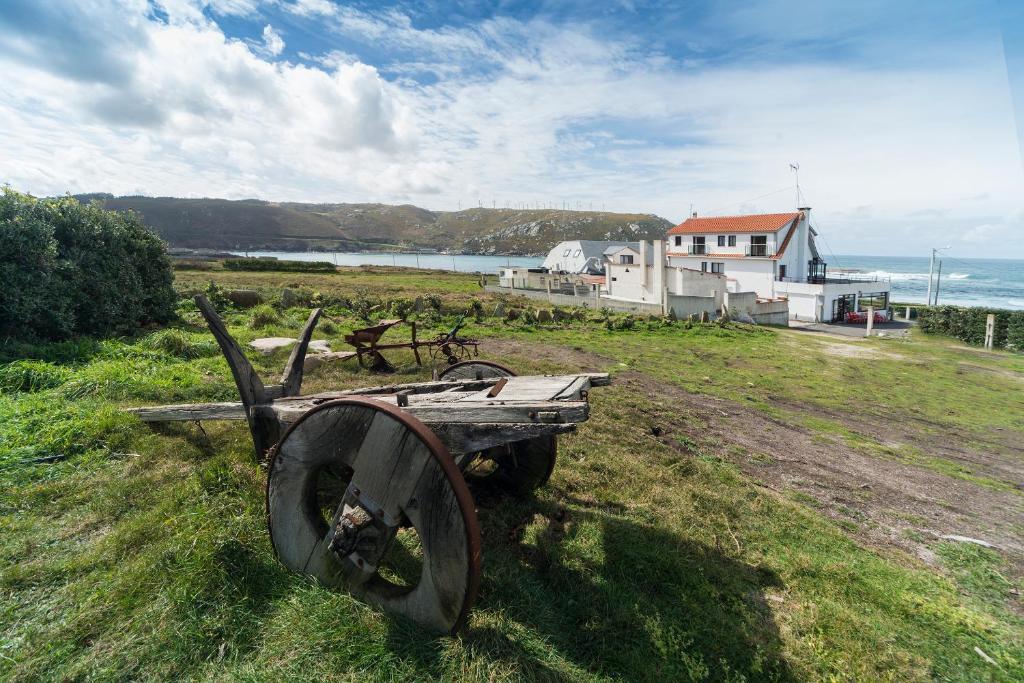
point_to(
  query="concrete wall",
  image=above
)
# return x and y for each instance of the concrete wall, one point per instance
(775, 312)
(591, 301)
(683, 306)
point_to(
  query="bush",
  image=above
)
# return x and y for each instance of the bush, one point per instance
(71, 269)
(274, 264)
(968, 325)
(264, 315)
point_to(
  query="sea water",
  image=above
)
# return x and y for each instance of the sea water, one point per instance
(996, 283)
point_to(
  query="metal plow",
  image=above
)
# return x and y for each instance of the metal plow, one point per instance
(369, 489)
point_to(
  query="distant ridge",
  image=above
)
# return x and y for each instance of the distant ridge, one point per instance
(254, 224)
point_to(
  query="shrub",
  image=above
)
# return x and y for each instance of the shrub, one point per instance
(177, 343)
(274, 264)
(71, 269)
(264, 315)
(968, 325)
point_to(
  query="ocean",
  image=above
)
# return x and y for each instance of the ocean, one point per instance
(996, 283)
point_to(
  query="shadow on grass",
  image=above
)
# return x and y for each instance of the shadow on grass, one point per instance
(589, 590)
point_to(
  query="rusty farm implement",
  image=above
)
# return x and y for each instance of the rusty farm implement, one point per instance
(369, 489)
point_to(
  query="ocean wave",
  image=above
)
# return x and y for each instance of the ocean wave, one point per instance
(895, 277)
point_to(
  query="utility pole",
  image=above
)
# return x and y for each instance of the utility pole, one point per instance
(938, 276)
(931, 269)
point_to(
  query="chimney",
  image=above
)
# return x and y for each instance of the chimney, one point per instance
(643, 263)
(658, 277)
(802, 234)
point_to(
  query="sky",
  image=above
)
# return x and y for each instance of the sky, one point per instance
(906, 119)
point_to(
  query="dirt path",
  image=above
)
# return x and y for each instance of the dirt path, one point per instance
(881, 501)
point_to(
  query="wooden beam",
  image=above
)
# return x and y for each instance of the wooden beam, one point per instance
(291, 380)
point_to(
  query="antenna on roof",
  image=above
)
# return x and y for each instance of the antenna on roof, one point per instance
(795, 167)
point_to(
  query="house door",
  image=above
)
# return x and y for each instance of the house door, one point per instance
(843, 305)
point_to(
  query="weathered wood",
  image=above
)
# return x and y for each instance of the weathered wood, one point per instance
(264, 428)
(250, 387)
(190, 412)
(471, 438)
(291, 379)
(399, 471)
(468, 412)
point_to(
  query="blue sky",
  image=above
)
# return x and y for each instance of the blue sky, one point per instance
(905, 118)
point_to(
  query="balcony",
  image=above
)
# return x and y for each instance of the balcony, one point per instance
(762, 250)
(697, 249)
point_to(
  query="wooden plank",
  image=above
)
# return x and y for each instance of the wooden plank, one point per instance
(463, 412)
(574, 391)
(527, 389)
(291, 379)
(471, 438)
(189, 412)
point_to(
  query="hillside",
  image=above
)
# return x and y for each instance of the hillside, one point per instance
(255, 224)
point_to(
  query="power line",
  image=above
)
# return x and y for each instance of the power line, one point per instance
(787, 188)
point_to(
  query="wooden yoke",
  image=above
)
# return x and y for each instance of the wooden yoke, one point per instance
(256, 398)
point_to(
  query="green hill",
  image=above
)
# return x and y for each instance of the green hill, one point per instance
(254, 224)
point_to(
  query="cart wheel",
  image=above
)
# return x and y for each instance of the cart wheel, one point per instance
(364, 496)
(517, 468)
(469, 369)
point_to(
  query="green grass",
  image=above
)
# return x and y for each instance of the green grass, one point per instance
(142, 553)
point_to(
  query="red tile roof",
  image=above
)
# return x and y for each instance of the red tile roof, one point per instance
(765, 222)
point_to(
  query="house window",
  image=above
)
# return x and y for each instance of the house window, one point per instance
(876, 300)
(704, 266)
(679, 240)
(758, 245)
(626, 259)
(717, 267)
(782, 271)
(721, 240)
(732, 240)
(698, 246)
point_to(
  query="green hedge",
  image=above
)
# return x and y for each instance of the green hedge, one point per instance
(968, 324)
(71, 269)
(274, 264)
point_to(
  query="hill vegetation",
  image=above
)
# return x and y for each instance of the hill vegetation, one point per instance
(285, 226)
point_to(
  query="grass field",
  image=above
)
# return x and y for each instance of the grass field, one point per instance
(677, 540)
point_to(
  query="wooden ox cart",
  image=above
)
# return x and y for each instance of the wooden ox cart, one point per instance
(369, 489)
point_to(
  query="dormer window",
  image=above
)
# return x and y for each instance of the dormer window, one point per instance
(566, 254)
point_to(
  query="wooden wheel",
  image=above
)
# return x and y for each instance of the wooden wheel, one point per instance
(364, 496)
(518, 467)
(473, 369)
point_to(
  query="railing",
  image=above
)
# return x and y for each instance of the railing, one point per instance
(832, 280)
(759, 250)
(697, 249)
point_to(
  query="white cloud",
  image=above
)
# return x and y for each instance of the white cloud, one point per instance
(516, 112)
(273, 44)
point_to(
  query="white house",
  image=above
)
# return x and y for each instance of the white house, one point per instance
(580, 256)
(773, 255)
(643, 275)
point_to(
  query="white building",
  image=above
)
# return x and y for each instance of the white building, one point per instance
(773, 255)
(643, 275)
(580, 256)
